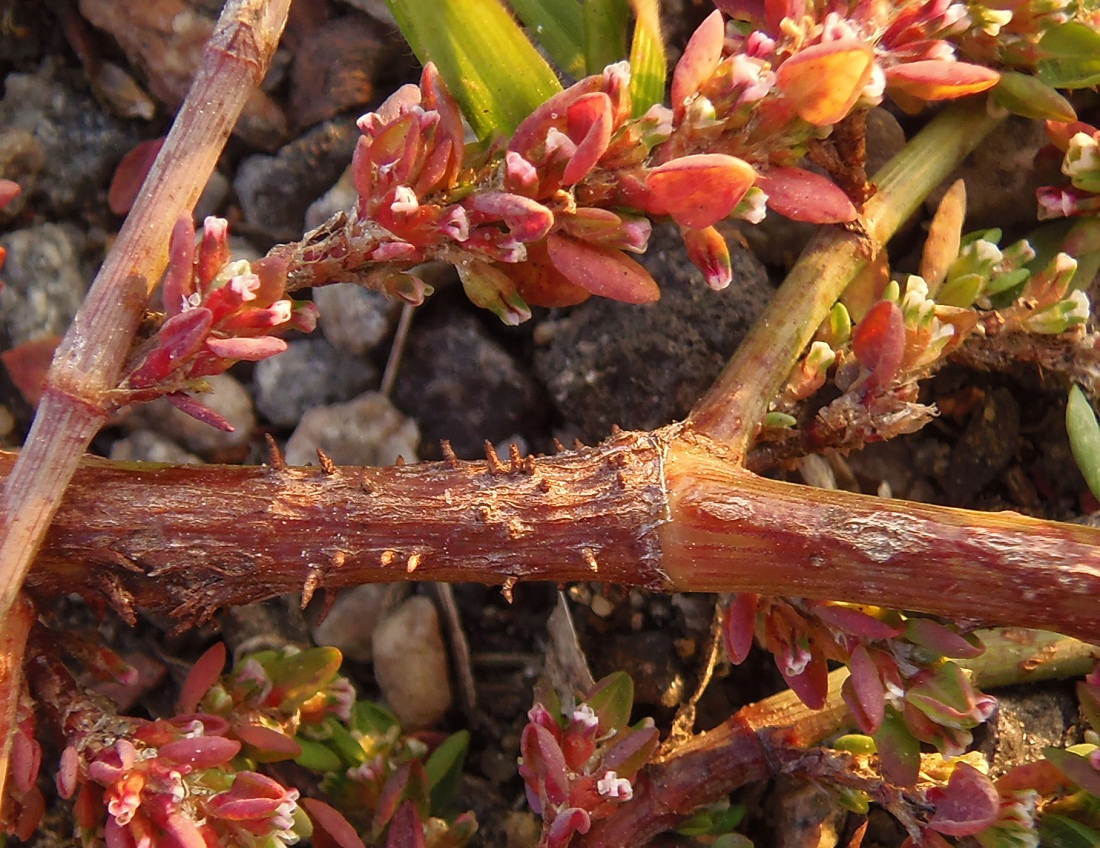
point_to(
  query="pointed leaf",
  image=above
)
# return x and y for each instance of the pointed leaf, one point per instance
(1030, 97)
(802, 195)
(937, 79)
(1057, 831)
(699, 190)
(267, 745)
(612, 700)
(898, 750)
(1084, 438)
(941, 246)
(602, 271)
(933, 636)
(863, 692)
(490, 288)
(811, 685)
(444, 768)
(201, 752)
(824, 81)
(203, 674)
(318, 757)
(332, 822)
(494, 72)
(967, 805)
(130, 175)
(709, 253)
(878, 341)
(739, 626)
(647, 58)
(406, 829)
(699, 60)
(1077, 768)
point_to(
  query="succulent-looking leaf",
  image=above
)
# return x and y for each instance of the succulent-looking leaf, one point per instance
(612, 700)
(941, 246)
(709, 253)
(602, 271)
(935, 79)
(496, 74)
(878, 342)
(699, 190)
(967, 805)
(267, 745)
(1030, 97)
(337, 828)
(492, 289)
(899, 751)
(699, 60)
(825, 80)
(130, 175)
(1070, 56)
(802, 195)
(1076, 767)
(863, 692)
(739, 626)
(1084, 438)
(811, 685)
(406, 830)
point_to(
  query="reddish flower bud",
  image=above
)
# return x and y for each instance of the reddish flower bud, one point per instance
(700, 190)
(825, 80)
(878, 341)
(588, 123)
(709, 253)
(527, 220)
(739, 627)
(178, 279)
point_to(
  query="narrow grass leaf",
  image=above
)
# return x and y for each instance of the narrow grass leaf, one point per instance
(647, 57)
(494, 72)
(559, 27)
(606, 25)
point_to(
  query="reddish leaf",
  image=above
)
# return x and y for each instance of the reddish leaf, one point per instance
(8, 192)
(825, 80)
(330, 826)
(863, 692)
(203, 674)
(527, 220)
(248, 349)
(565, 824)
(588, 122)
(267, 745)
(739, 627)
(201, 751)
(699, 190)
(967, 805)
(937, 79)
(603, 271)
(28, 365)
(854, 621)
(130, 175)
(936, 637)
(802, 195)
(539, 283)
(811, 685)
(699, 60)
(406, 829)
(544, 763)
(531, 133)
(878, 342)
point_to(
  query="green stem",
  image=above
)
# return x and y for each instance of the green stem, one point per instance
(735, 405)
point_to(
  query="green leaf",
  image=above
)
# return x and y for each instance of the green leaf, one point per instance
(606, 24)
(1071, 56)
(298, 677)
(648, 64)
(317, 757)
(559, 27)
(494, 72)
(1076, 766)
(1084, 438)
(371, 719)
(1030, 97)
(899, 751)
(444, 769)
(611, 700)
(1061, 832)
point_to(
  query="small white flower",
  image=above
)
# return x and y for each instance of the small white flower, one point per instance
(585, 716)
(613, 786)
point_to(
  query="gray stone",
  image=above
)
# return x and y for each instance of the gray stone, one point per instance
(365, 431)
(309, 373)
(43, 285)
(461, 385)
(229, 399)
(349, 625)
(147, 446)
(645, 366)
(353, 318)
(275, 191)
(80, 143)
(410, 664)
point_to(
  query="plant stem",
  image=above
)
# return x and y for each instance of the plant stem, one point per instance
(669, 510)
(732, 409)
(88, 362)
(14, 628)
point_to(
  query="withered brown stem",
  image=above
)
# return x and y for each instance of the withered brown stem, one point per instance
(88, 362)
(669, 510)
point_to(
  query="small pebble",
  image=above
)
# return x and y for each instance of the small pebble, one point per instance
(43, 285)
(350, 622)
(229, 399)
(147, 446)
(353, 318)
(365, 431)
(410, 664)
(309, 373)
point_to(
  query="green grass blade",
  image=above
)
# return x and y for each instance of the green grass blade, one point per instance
(1084, 438)
(559, 27)
(647, 57)
(606, 26)
(494, 72)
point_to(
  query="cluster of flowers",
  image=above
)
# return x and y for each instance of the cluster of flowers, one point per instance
(577, 762)
(1079, 144)
(193, 780)
(217, 312)
(549, 220)
(901, 690)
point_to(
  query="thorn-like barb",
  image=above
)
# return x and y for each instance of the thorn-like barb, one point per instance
(275, 456)
(400, 461)
(590, 559)
(558, 446)
(515, 459)
(328, 467)
(366, 485)
(495, 465)
(578, 445)
(616, 430)
(388, 557)
(449, 455)
(529, 464)
(413, 563)
(310, 585)
(337, 559)
(506, 589)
